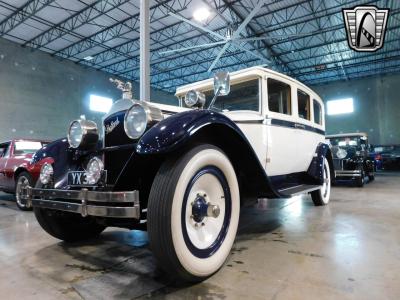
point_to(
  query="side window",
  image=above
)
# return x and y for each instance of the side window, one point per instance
(317, 112)
(279, 97)
(4, 150)
(303, 102)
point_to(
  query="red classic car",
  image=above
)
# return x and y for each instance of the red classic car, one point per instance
(16, 171)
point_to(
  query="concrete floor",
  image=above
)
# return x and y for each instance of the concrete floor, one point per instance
(284, 250)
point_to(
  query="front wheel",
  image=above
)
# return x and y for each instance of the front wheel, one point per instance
(23, 181)
(360, 181)
(193, 213)
(321, 197)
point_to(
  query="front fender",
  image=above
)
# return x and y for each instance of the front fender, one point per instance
(171, 133)
(204, 126)
(58, 153)
(315, 169)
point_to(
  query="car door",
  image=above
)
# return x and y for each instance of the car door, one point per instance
(283, 137)
(4, 154)
(310, 132)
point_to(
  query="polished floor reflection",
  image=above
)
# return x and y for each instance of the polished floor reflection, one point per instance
(284, 250)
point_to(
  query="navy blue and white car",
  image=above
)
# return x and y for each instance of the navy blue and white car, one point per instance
(182, 173)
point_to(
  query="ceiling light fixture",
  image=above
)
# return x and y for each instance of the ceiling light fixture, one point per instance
(88, 58)
(201, 14)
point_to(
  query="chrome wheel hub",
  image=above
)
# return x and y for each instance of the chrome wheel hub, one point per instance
(22, 183)
(202, 209)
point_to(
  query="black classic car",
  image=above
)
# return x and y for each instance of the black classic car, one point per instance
(182, 173)
(389, 156)
(350, 157)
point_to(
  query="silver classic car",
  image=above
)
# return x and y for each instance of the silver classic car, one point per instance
(182, 173)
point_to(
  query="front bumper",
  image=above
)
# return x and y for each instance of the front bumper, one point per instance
(85, 202)
(347, 173)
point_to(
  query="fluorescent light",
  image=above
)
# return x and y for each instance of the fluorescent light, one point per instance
(87, 58)
(341, 106)
(100, 104)
(201, 14)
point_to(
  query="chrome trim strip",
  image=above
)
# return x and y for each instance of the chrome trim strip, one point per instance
(47, 200)
(84, 194)
(84, 210)
(349, 173)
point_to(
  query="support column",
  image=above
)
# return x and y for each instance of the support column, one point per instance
(144, 50)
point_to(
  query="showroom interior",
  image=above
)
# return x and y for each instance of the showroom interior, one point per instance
(290, 109)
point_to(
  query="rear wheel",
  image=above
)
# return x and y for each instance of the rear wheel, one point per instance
(371, 176)
(23, 180)
(321, 197)
(193, 213)
(69, 227)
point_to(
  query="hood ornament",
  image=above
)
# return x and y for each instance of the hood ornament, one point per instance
(125, 87)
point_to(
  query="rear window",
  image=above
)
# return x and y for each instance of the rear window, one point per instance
(317, 112)
(279, 97)
(303, 100)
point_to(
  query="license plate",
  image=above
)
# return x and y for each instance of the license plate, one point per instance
(78, 178)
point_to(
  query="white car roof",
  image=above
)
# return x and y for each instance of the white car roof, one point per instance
(249, 72)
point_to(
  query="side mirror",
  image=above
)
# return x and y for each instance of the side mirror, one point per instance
(222, 85)
(195, 99)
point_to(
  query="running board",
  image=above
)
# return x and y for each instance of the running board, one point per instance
(299, 189)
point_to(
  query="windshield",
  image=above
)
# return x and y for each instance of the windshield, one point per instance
(27, 147)
(243, 96)
(348, 142)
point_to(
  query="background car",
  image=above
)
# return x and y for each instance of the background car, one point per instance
(350, 157)
(15, 168)
(390, 155)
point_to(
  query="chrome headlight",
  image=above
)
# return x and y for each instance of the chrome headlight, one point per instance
(135, 121)
(46, 173)
(83, 134)
(195, 99)
(94, 169)
(341, 153)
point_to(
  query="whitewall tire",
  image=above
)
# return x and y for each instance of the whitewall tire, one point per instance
(193, 213)
(322, 195)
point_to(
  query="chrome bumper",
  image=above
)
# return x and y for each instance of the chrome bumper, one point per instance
(91, 203)
(345, 173)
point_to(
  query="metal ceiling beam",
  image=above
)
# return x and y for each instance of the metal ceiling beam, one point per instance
(23, 13)
(269, 30)
(270, 53)
(80, 18)
(116, 30)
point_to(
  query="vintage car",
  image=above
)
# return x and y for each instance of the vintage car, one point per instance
(350, 157)
(15, 168)
(182, 173)
(390, 156)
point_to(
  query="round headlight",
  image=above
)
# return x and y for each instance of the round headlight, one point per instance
(94, 170)
(195, 98)
(341, 153)
(75, 134)
(135, 122)
(46, 173)
(83, 134)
